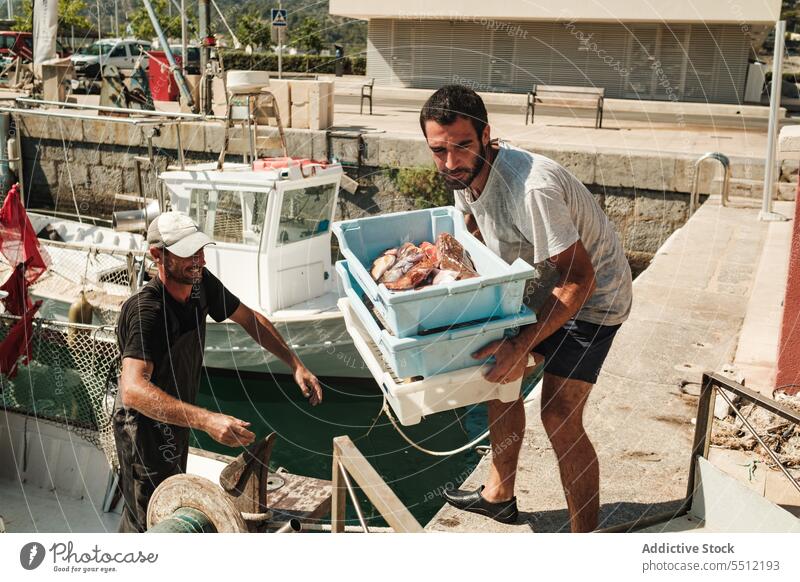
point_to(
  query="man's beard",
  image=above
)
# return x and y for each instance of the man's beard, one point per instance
(456, 184)
(182, 277)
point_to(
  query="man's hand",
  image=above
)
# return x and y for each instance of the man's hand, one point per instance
(511, 360)
(309, 385)
(228, 430)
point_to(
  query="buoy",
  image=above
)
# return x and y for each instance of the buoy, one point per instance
(81, 311)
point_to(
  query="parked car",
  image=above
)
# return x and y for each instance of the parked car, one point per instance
(21, 43)
(122, 53)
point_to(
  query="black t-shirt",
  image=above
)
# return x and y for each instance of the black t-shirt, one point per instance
(151, 320)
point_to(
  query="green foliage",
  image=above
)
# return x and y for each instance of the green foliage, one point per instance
(263, 61)
(424, 186)
(331, 29)
(306, 36)
(70, 13)
(143, 28)
(253, 30)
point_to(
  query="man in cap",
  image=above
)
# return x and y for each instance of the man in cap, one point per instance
(161, 337)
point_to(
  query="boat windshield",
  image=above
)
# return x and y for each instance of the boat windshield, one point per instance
(306, 213)
(232, 216)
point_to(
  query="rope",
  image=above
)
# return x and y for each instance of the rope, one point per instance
(422, 449)
(69, 172)
(473, 443)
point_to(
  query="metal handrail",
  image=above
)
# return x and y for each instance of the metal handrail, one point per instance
(349, 462)
(694, 199)
(712, 384)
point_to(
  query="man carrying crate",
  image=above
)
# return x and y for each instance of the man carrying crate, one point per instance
(525, 205)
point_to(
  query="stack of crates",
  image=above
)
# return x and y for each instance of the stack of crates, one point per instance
(434, 330)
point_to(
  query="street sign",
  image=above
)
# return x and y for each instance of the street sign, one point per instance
(278, 16)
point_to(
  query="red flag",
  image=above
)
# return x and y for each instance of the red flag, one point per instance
(17, 301)
(18, 343)
(18, 242)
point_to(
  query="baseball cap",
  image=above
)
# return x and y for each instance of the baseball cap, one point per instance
(177, 233)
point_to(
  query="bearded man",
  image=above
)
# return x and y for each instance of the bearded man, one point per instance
(161, 336)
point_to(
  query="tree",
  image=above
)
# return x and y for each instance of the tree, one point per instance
(306, 36)
(143, 28)
(70, 13)
(253, 30)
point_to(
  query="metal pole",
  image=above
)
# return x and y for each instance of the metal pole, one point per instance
(205, 54)
(99, 33)
(184, 37)
(10, 5)
(116, 18)
(766, 213)
(176, 72)
(280, 46)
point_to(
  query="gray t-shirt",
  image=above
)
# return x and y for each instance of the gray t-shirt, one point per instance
(533, 208)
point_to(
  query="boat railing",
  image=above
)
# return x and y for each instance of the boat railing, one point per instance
(348, 462)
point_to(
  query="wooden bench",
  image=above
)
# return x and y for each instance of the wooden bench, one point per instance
(565, 96)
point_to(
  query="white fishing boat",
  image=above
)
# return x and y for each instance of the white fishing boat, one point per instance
(273, 250)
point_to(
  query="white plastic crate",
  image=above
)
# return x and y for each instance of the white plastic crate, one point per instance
(437, 353)
(411, 401)
(497, 292)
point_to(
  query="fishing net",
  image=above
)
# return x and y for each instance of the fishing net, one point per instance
(70, 379)
(106, 276)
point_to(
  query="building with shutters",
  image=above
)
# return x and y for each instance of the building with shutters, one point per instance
(680, 50)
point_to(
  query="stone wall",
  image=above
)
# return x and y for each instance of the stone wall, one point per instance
(644, 193)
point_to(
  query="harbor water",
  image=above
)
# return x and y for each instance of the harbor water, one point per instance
(352, 408)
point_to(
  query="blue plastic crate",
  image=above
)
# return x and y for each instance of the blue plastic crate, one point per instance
(437, 353)
(496, 293)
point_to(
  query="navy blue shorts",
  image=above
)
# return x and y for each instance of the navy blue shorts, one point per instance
(577, 350)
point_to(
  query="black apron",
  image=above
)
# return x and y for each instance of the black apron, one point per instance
(149, 451)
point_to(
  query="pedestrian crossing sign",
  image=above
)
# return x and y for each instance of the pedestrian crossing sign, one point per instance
(278, 16)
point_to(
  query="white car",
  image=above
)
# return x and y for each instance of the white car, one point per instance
(122, 53)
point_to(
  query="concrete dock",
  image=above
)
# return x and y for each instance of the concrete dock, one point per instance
(708, 301)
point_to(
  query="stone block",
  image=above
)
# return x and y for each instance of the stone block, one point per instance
(168, 138)
(85, 153)
(404, 152)
(42, 172)
(98, 132)
(618, 206)
(35, 126)
(214, 134)
(661, 206)
(105, 181)
(319, 145)
(299, 142)
(74, 174)
(132, 136)
(344, 149)
(789, 141)
(580, 163)
(193, 136)
(645, 237)
(789, 170)
(683, 176)
(745, 168)
(372, 149)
